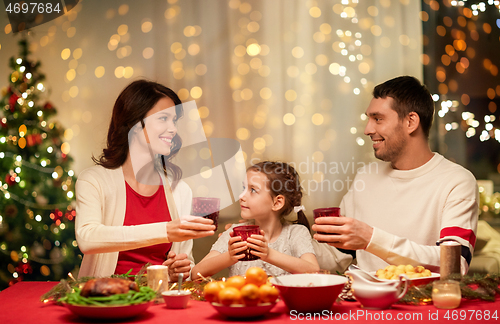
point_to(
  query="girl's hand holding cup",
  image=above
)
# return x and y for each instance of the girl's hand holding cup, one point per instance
(245, 232)
(235, 248)
(258, 245)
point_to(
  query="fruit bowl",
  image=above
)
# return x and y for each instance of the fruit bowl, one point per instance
(307, 293)
(242, 311)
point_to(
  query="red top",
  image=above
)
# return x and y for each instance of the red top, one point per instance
(144, 210)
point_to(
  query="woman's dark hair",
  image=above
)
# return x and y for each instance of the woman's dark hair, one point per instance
(130, 108)
(409, 96)
(285, 181)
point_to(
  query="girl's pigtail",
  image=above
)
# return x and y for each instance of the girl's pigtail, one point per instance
(302, 219)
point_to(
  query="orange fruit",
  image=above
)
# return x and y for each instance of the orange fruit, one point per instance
(211, 291)
(229, 295)
(256, 276)
(235, 281)
(268, 293)
(250, 294)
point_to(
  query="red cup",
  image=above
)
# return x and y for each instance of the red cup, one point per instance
(245, 232)
(207, 208)
(326, 212)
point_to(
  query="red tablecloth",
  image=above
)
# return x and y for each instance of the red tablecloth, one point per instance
(21, 304)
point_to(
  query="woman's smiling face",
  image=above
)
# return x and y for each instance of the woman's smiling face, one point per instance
(160, 124)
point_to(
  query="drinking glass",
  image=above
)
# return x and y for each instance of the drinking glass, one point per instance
(245, 232)
(326, 212)
(207, 208)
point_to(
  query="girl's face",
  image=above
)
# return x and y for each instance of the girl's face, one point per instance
(160, 126)
(256, 201)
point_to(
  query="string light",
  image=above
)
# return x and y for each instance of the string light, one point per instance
(461, 52)
(476, 7)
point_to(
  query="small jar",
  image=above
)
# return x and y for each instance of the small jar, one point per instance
(446, 294)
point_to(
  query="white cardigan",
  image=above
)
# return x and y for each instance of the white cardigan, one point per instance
(100, 212)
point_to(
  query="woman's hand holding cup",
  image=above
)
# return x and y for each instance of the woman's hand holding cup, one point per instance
(189, 227)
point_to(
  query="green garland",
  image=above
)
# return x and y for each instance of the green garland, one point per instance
(195, 287)
(487, 289)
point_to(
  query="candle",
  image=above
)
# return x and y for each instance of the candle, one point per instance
(449, 258)
(158, 277)
(446, 301)
(446, 294)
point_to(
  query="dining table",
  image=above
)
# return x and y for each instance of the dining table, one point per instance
(21, 303)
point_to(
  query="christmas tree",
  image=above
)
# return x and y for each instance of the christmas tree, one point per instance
(37, 237)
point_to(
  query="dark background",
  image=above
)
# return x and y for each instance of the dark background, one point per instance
(482, 158)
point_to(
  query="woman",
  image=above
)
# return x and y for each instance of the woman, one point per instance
(127, 209)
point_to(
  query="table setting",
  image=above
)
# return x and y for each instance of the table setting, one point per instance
(400, 293)
(22, 303)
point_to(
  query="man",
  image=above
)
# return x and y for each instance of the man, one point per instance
(416, 200)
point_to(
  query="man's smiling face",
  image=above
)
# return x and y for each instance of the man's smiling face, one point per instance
(385, 129)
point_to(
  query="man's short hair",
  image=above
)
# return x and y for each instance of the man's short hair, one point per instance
(409, 95)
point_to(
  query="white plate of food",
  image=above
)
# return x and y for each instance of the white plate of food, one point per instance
(108, 298)
(109, 312)
(417, 275)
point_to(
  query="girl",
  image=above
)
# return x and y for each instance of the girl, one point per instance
(272, 191)
(128, 205)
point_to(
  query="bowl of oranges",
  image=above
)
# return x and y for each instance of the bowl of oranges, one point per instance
(242, 297)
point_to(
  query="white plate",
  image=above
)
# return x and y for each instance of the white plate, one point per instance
(416, 281)
(109, 312)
